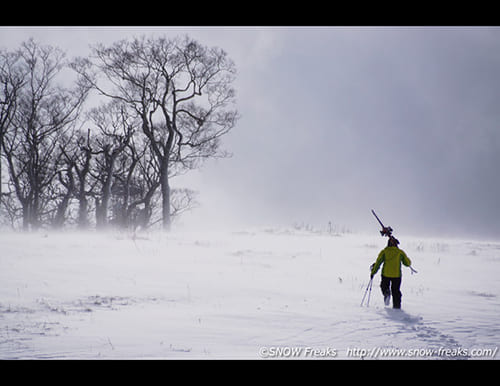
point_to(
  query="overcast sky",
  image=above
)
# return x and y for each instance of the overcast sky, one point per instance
(339, 120)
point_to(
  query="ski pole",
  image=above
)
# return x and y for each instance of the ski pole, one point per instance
(366, 290)
(413, 270)
(369, 293)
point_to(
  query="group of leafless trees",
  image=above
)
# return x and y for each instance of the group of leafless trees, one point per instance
(96, 140)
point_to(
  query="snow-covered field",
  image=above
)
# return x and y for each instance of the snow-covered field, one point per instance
(253, 294)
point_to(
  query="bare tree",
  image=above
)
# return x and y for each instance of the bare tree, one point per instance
(64, 190)
(79, 156)
(115, 129)
(180, 90)
(135, 186)
(11, 81)
(44, 112)
(183, 200)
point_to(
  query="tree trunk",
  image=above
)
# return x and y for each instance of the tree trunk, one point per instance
(102, 210)
(165, 194)
(82, 207)
(63, 205)
(82, 194)
(60, 216)
(26, 216)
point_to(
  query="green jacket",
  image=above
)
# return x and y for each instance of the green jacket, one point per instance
(392, 257)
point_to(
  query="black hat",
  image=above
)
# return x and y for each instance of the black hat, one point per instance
(393, 242)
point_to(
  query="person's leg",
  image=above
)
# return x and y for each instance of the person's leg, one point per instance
(385, 287)
(396, 293)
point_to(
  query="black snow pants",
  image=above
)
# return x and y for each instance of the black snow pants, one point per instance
(390, 285)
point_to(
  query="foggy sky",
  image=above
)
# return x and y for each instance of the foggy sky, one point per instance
(339, 120)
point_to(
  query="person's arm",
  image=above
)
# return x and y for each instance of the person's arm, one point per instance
(376, 266)
(405, 259)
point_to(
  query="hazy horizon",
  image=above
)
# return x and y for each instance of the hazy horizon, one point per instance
(336, 121)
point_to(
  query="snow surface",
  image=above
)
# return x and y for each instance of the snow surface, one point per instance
(267, 293)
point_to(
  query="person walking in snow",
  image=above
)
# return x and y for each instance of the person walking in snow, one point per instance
(391, 257)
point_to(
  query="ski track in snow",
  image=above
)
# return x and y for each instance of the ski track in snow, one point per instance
(227, 295)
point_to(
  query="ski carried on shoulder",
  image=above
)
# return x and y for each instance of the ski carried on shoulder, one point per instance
(387, 231)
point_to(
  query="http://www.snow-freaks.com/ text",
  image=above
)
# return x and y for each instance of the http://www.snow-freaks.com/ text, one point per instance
(375, 352)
